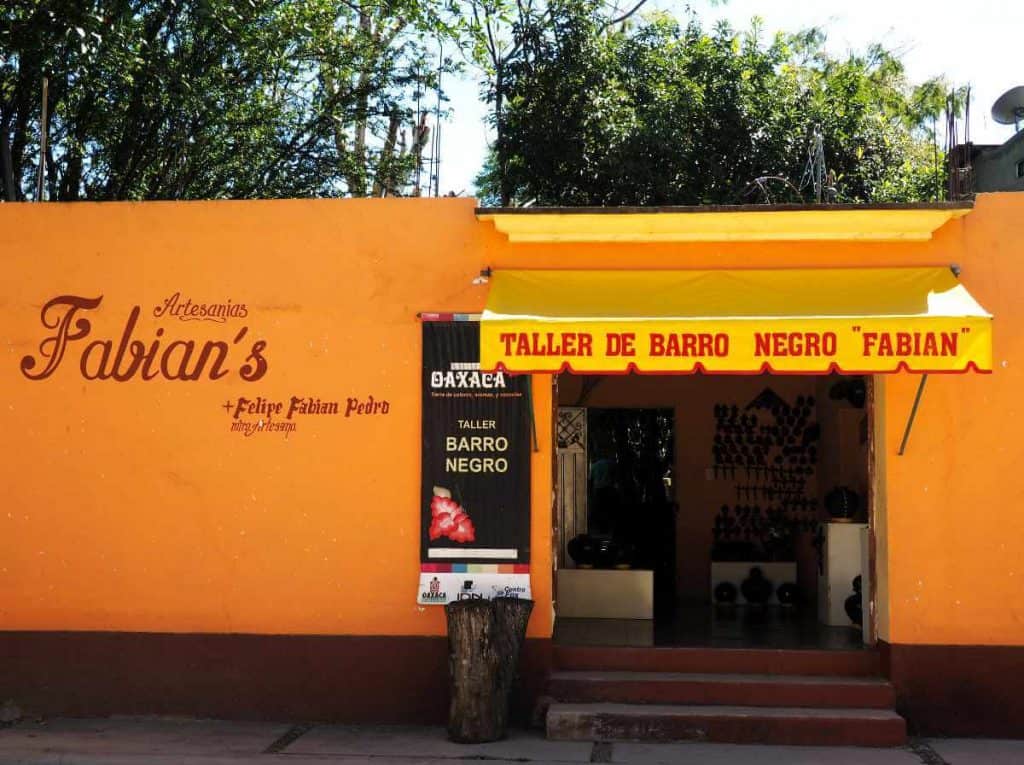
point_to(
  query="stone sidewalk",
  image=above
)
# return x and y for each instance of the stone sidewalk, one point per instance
(145, 741)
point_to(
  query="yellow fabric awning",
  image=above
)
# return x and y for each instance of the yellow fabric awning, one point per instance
(855, 321)
(752, 223)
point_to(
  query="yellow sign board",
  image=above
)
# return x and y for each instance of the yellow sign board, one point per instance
(734, 322)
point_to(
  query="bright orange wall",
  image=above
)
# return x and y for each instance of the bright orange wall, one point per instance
(129, 506)
(955, 504)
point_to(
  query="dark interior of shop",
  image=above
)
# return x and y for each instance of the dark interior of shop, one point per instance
(737, 505)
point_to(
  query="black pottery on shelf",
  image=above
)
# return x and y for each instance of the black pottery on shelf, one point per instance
(853, 605)
(600, 552)
(778, 541)
(857, 393)
(725, 593)
(842, 503)
(605, 552)
(852, 389)
(755, 588)
(611, 553)
(582, 550)
(788, 594)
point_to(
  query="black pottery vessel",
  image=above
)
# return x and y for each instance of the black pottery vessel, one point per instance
(725, 593)
(788, 594)
(583, 551)
(842, 503)
(853, 606)
(755, 588)
(600, 552)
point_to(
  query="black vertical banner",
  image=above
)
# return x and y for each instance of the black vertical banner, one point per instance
(475, 480)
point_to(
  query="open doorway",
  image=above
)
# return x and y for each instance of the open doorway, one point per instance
(630, 510)
(743, 500)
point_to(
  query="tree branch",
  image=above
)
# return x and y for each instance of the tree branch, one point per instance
(623, 17)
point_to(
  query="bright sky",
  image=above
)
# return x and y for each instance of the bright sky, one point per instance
(976, 43)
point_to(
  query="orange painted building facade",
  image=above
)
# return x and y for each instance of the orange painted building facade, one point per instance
(190, 568)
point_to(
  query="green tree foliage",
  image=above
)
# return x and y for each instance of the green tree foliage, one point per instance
(178, 99)
(663, 112)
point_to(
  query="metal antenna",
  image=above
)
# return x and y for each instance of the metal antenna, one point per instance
(759, 190)
(967, 115)
(44, 129)
(815, 171)
(416, 121)
(960, 184)
(436, 161)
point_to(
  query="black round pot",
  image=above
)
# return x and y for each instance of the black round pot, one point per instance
(788, 594)
(857, 392)
(725, 593)
(583, 551)
(755, 588)
(852, 605)
(621, 554)
(842, 503)
(612, 553)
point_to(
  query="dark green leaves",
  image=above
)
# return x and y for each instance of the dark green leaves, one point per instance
(657, 112)
(183, 99)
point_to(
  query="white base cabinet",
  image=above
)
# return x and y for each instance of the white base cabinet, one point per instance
(841, 559)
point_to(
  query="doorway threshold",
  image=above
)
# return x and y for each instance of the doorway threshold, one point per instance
(743, 627)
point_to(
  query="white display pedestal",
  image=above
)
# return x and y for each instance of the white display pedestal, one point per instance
(736, 571)
(841, 558)
(597, 593)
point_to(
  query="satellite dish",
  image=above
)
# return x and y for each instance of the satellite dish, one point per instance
(1009, 107)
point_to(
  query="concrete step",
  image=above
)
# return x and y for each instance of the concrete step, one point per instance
(755, 690)
(849, 663)
(728, 724)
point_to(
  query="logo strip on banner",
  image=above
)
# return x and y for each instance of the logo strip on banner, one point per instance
(475, 568)
(438, 589)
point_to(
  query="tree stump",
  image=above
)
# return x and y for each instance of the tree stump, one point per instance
(484, 641)
(511, 615)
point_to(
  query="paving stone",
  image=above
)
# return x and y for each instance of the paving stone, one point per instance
(148, 741)
(403, 741)
(725, 724)
(141, 736)
(971, 751)
(735, 754)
